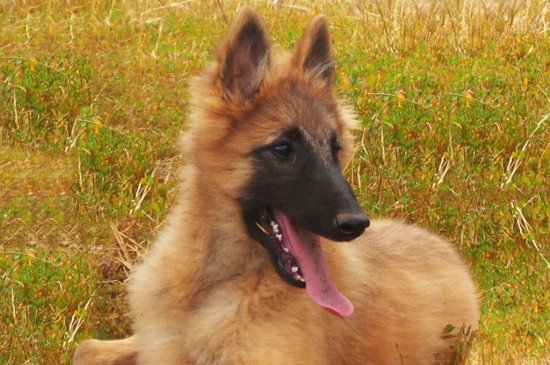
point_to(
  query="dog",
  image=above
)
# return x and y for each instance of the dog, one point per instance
(251, 267)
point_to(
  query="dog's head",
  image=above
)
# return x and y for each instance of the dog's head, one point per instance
(272, 138)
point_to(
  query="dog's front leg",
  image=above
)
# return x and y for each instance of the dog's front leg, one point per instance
(272, 350)
(116, 352)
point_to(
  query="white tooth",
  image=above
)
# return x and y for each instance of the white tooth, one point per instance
(294, 269)
(276, 228)
(299, 277)
(273, 224)
(279, 237)
(286, 250)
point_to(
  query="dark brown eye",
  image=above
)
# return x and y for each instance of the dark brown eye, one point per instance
(283, 149)
(336, 146)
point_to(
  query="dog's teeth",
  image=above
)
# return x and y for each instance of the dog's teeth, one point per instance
(286, 250)
(294, 269)
(279, 237)
(299, 277)
(276, 228)
(261, 228)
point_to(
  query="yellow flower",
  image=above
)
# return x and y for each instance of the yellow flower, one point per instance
(401, 96)
(469, 96)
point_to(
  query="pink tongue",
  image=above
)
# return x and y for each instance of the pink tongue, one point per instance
(306, 248)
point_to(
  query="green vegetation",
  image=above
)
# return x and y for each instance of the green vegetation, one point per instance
(455, 108)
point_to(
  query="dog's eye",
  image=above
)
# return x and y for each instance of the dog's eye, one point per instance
(283, 149)
(336, 146)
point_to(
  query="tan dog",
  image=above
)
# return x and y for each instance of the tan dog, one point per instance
(262, 202)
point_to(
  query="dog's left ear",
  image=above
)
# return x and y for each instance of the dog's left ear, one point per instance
(245, 55)
(314, 51)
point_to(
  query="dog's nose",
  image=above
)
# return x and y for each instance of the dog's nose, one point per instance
(352, 224)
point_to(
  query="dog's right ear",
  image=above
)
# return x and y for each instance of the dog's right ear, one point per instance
(245, 55)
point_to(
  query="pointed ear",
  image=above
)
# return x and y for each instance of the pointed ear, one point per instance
(245, 55)
(314, 51)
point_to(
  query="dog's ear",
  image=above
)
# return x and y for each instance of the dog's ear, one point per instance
(314, 51)
(245, 55)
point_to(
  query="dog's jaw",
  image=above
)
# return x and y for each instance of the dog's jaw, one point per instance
(305, 247)
(297, 257)
(263, 228)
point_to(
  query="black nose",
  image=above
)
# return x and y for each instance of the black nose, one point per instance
(352, 225)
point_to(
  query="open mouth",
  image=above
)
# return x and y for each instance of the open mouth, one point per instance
(298, 258)
(277, 237)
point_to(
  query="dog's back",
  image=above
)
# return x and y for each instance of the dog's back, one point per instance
(415, 301)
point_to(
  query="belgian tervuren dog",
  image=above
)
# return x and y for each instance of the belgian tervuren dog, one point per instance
(250, 268)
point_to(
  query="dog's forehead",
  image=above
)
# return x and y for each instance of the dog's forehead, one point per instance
(317, 125)
(297, 108)
(314, 116)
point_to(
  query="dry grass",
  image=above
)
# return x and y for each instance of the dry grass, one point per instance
(454, 100)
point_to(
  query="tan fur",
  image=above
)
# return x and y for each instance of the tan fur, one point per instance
(208, 294)
(120, 352)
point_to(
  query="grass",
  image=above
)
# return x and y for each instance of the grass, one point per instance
(454, 102)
